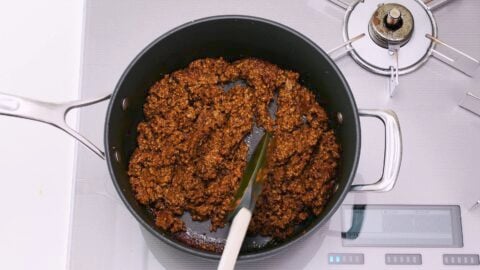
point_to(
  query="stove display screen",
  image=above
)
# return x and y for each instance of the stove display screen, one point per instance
(401, 226)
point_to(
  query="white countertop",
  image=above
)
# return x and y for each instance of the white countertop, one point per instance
(39, 58)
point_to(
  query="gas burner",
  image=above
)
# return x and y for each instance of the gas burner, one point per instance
(380, 52)
(406, 26)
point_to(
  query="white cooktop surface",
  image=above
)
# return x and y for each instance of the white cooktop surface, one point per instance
(441, 146)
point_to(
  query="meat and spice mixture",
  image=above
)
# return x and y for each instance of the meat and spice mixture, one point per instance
(192, 152)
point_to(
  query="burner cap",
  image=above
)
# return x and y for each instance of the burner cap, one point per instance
(391, 24)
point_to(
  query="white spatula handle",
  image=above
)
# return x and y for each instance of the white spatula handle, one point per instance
(237, 233)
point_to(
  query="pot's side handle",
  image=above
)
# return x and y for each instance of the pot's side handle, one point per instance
(49, 113)
(393, 151)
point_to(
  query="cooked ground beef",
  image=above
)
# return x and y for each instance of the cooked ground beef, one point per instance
(191, 151)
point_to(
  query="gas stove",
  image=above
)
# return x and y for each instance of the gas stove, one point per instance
(388, 52)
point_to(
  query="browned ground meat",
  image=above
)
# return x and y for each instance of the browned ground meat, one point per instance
(191, 152)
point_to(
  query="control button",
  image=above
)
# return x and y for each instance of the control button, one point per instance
(346, 258)
(403, 259)
(461, 259)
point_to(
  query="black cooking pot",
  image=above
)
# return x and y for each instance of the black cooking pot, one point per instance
(230, 37)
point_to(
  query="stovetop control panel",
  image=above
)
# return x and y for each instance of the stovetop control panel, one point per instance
(401, 227)
(402, 259)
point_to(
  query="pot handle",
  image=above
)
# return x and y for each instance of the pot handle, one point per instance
(49, 113)
(393, 151)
